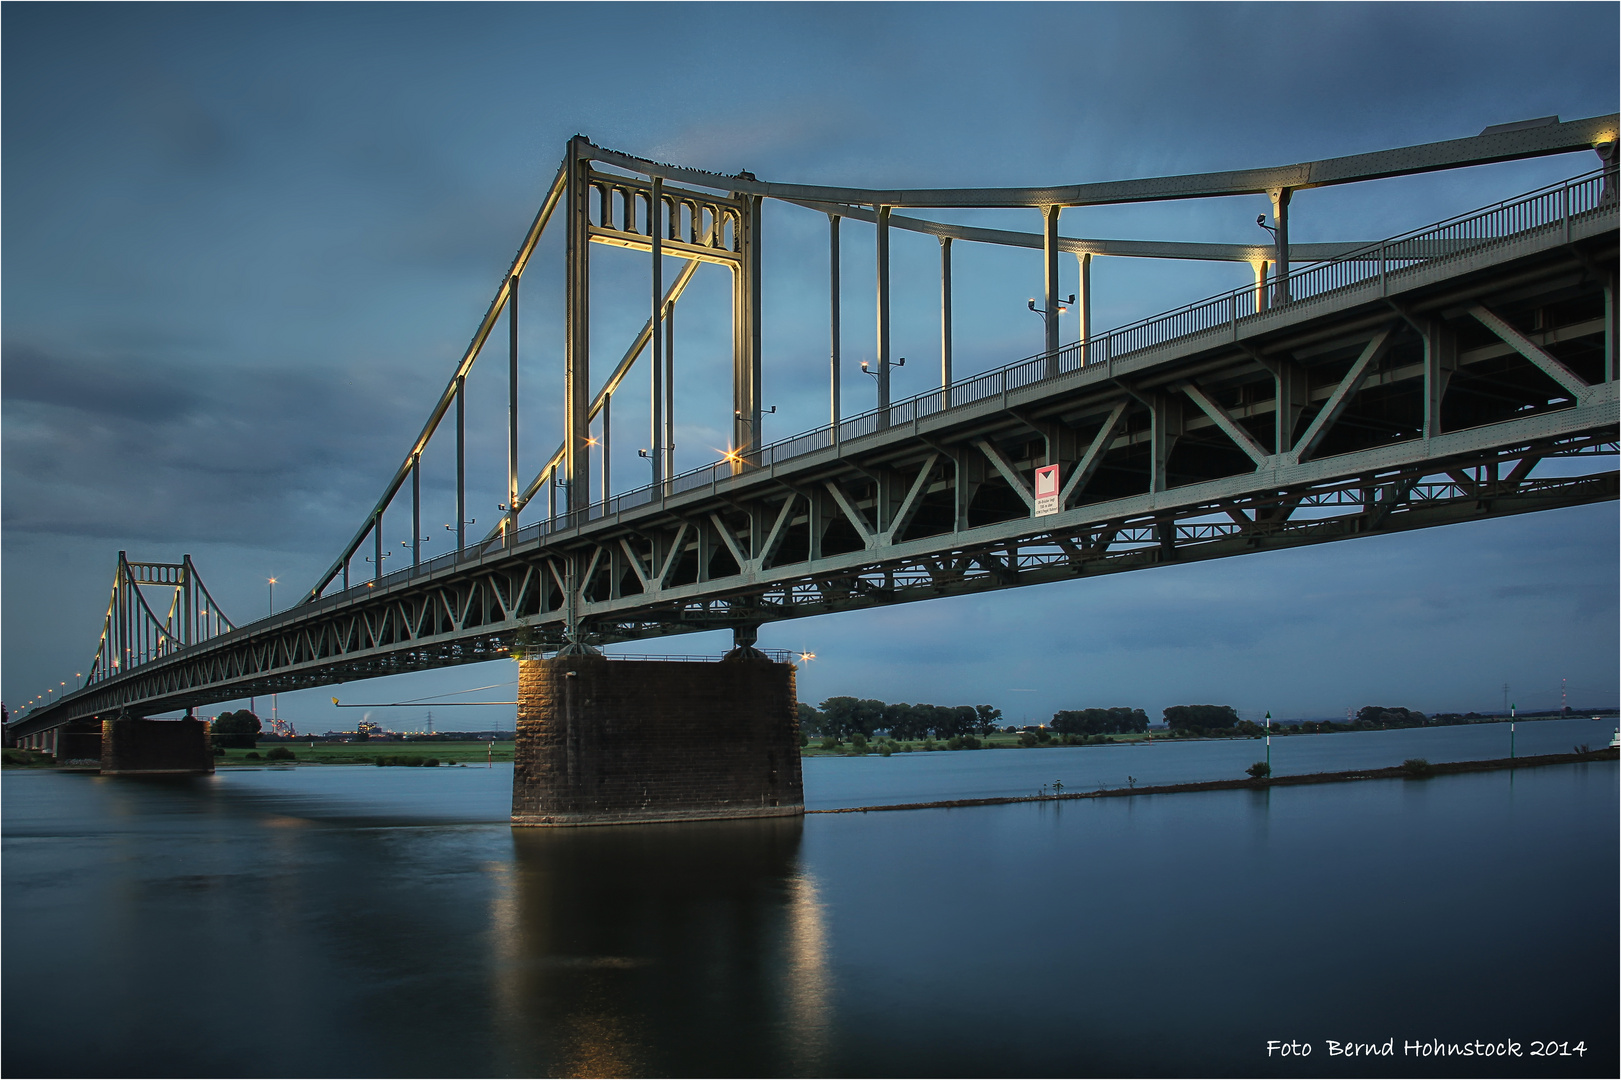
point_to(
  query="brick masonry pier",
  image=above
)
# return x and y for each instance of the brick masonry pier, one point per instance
(79, 744)
(608, 742)
(155, 748)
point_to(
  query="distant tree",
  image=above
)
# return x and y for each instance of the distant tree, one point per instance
(955, 722)
(905, 721)
(843, 717)
(1201, 717)
(1383, 716)
(810, 720)
(1116, 721)
(237, 729)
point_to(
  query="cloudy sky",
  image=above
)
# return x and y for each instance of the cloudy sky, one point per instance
(245, 245)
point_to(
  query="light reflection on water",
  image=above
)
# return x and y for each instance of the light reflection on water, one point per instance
(693, 948)
(363, 921)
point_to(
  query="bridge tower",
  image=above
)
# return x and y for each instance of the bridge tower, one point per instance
(135, 634)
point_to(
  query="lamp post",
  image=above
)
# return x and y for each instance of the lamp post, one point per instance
(1269, 742)
(272, 582)
(415, 548)
(882, 397)
(754, 436)
(460, 531)
(1049, 318)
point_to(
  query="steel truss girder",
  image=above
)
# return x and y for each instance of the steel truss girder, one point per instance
(481, 617)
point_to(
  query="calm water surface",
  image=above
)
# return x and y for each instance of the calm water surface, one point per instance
(365, 921)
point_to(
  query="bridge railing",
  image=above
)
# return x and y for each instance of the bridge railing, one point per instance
(1549, 209)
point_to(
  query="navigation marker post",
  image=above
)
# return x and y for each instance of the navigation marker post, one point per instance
(1047, 490)
(1269, 743)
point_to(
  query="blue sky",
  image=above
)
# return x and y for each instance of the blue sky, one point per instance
(245, 245)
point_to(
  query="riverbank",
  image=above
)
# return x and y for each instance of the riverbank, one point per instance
(1398, 772)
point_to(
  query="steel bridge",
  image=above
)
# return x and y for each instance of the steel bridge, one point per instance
(1354, 389)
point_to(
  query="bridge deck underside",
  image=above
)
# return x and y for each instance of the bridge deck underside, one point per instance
(1421, 399)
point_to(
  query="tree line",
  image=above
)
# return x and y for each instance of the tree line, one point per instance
(1115, 721)
(845, 717)
(239, 729)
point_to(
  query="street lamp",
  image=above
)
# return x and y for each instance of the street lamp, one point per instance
(272, 582)
(749, 420)
(1063, 305)
(865, 370)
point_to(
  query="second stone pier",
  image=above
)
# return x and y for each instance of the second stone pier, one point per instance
(605, 742)
(139, 747)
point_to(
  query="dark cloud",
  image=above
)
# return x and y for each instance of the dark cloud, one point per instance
(97, 386)
(158, 450)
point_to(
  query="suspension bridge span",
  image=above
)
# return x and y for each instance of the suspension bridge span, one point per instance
(1456, 372)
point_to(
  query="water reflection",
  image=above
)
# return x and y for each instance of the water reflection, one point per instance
(367, 922)
(663, 949)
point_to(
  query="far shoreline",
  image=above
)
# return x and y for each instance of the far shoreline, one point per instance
(1397, 772)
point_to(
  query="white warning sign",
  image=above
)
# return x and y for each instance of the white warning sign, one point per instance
(1046, 490)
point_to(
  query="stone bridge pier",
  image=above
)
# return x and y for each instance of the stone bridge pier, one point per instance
(606, 742)
(79, 743)
(133, 746)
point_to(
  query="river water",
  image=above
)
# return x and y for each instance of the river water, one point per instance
(387, 922)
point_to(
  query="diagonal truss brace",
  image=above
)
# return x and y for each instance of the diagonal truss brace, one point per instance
(1559, 373)
(1343, 393)
(1226, 423)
